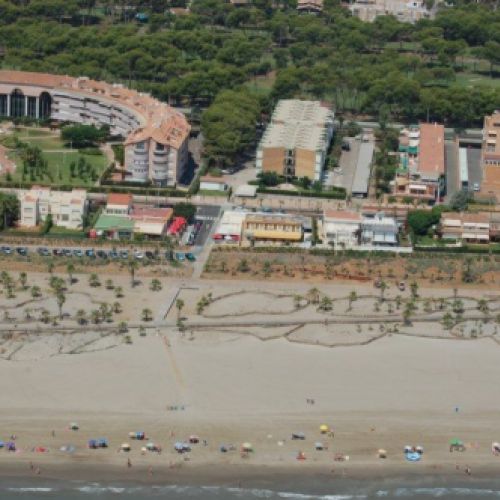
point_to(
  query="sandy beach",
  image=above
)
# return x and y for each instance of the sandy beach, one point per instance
(228, 387)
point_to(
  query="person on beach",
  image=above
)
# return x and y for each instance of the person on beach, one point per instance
(32, 467)
(53, 434)
(468, 470)
(150, 471)
(129, 463)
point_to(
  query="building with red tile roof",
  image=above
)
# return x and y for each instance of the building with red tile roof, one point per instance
(156, 135)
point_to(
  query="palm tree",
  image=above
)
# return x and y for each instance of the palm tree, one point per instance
(297, 299)
(44, 316)
(325, 304)
(458, 306)
(23, 279)
(81, 317)
(353, 296)
(95, 316)
(94, 280)
(482, 306)
(109, 284)
(105, 312)
(70, 269)
(117, 308)
(314, 295)
(383, 288)
(50, 267)
(118, 292)
(132, 268)
(147, 314)
(399, 300)
(61, 299)
(179, 304)
(155, 285)
(122, 327)
(414, 289)
(56, 283)
(36, 291)
(267, 268)
(27, 313)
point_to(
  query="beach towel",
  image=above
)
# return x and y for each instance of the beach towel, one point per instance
(412, 456)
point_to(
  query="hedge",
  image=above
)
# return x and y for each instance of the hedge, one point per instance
(461, 250)
(112, 188)
(339, 194)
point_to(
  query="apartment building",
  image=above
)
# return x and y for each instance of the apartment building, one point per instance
(310, 6)
(470, 228)
(403, 10)
(156, 145)
(342, 228)
(67, 208)
(421, 172)
(490, 155)
(296, 141)
(379, 231)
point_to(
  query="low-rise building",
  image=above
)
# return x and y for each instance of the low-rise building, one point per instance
(296, 141)
(379, 231)
(272, 227)
(114, 227)
(151, 221)
(230, 226)
(421, 172)
(211, 183)
(118, 204)
(342, 228)
(470, 228)
(66, 208)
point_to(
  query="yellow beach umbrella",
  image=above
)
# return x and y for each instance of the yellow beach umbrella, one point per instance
(324, 428)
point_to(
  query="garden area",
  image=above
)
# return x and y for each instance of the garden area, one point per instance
(41, 155)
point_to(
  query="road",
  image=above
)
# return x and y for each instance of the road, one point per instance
(474, 162)
(347, 165)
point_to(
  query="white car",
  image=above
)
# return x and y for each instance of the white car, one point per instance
(476, 187)
(138, 255)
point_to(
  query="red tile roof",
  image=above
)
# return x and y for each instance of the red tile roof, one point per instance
(431, 157)
(119, 199)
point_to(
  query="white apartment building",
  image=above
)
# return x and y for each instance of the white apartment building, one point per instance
(379, 231)
(67, 208)
(341, 228)
(471, 228)
(156, 145)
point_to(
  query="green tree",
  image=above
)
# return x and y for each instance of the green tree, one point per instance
(70, 269)
(23, 280)
(155, 285)
(132, 268)
(36, 291)
(179, 304)
(147, 314)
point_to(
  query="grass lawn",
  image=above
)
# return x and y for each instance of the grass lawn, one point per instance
(474, 79)
(58, 156)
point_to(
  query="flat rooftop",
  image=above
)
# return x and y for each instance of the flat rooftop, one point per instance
(431, 157)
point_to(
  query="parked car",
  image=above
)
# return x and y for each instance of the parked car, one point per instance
(402, 286)
(78, 253)
(6, 250)
(67, 252)
(124, 254)
(57, 252)
(346, 146)
(43, 251)
(101, 254)
(113, 254)
(180, 257)
(476, 187)
(138, 255)
(190, 257)
(90, 253)
(149, 255)
(22, 251)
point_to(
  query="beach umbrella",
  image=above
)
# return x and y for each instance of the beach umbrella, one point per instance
(125, 447)
(247, 447)
(151, 446)
(194, 439)
(419, 449)
(41, 449)
(74, 426)
(131, 435)
(456, 442)
(92, 444)
(319, 446)
(140, 435)
(179, 446)
(10, 446)
(144, 449)
(2, 444)
(102, 443)
(324, 428)
(382, 453)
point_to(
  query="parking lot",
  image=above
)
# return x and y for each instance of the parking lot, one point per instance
(89, 254)
(207, 215)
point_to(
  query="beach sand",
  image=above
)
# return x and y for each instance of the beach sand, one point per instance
(230, 389)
